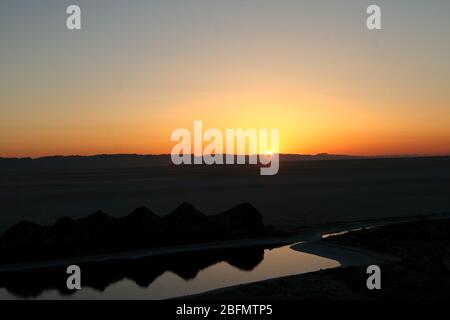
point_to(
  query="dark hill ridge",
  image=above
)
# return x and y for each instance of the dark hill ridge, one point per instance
(109, 161)
(101, 233)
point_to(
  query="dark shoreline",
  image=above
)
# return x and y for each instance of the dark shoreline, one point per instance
(414, 258)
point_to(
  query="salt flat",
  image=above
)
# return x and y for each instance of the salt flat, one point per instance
(304, 192)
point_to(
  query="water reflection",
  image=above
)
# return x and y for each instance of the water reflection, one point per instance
(164, 276)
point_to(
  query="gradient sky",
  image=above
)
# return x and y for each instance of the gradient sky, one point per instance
(140, 69)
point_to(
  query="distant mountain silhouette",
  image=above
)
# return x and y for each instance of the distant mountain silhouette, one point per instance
(85, 162)
(101, 233)
(124, 161)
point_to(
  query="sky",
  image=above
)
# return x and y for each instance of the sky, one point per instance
(138, 69)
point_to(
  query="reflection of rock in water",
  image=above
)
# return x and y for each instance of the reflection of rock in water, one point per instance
(143, 272)
(245, 259)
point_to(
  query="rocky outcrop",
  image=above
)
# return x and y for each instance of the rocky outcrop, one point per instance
(185, 218)
(243, 216)
(102, 233)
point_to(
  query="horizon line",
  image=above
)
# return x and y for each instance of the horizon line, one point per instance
(411, 155)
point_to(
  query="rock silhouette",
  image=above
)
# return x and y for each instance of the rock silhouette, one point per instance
(101, 233)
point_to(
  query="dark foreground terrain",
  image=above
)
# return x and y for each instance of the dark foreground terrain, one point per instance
(419, 268)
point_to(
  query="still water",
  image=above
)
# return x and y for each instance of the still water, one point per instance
(166, 277)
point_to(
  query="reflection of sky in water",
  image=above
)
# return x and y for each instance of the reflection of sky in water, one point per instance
(277, 263)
